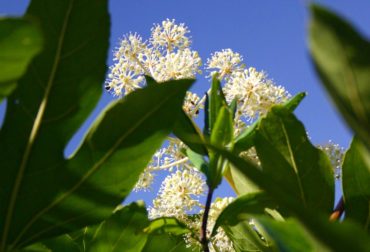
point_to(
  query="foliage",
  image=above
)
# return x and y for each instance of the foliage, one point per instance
(251, 137)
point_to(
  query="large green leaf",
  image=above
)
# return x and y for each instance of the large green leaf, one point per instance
(235, 221)
(221, 135)
(286, 153)
(356, 184)
(289, 235)
(342, 59)
(243, 142)
(84, 189)
(51, 101)
(243, 207)
(337, 236)
(123, 231)
(44, 194)
(20, 41)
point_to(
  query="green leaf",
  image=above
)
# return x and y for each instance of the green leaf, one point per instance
(243, 207)
(54, 97)
(20, 41)
(215, 100)
(289, 235)
(107, 165)
(337, 236)
(246, 238)
(197, 160)
(124, 230)
(188, 132)
(166, 242)
(221, 135)
(341, 58)
(167, 225)
(61, 244)
(286, 153)
(244, 140)
(356, 184)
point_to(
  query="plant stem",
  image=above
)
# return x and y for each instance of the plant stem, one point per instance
(338, 210)
(203, 231)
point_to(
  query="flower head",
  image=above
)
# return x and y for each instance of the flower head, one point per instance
(225, 63)
(178, 195)
(183, 64)
(170, 35)
(254, 92)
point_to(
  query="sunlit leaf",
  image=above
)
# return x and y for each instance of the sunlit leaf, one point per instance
(20, 41)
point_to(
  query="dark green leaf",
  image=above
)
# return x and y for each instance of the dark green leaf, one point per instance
(61, 244)
(289, 235)
(197, 160)
(246, 238)
(342, 59)
(243, 207)
(166, 242)
(20, 41)
(356, 184)
(244, 140)
(215, 100)
(168, 226)
(150, 81)
(221, 135)
(52, 100)
(85, 189)
(123, 231)
(188, 132)
(286, 153)
(337, 236)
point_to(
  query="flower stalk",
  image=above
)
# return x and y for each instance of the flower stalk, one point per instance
(203, 230)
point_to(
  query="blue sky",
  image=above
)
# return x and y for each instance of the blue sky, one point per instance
(271, 35)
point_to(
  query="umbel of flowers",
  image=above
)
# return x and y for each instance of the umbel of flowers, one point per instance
(167, 55)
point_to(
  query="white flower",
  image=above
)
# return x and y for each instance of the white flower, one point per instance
(170, 35)
(254, 92)
(225, 63)
(183, 64)
(178, 195)
(124, 77)
(131, 47)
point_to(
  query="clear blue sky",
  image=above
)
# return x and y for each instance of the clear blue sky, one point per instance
(271, 35)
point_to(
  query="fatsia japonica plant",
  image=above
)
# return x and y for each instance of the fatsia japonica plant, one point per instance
(52, 70)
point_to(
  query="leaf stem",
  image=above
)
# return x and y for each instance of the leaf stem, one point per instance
(203, 231)
(338, 210)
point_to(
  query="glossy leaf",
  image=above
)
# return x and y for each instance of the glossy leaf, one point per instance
(188, 132)
(215, 100)
(221, 135)
(336, 236)
(166, 242)
(124, 230)
(20, 41)
(52, 100)
(356, 184)
(289, 235)
(166, 226)
(341, 58)
(286, 153)
(244, 140)
(243, 207)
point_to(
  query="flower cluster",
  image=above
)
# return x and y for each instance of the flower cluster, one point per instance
(167, 56)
